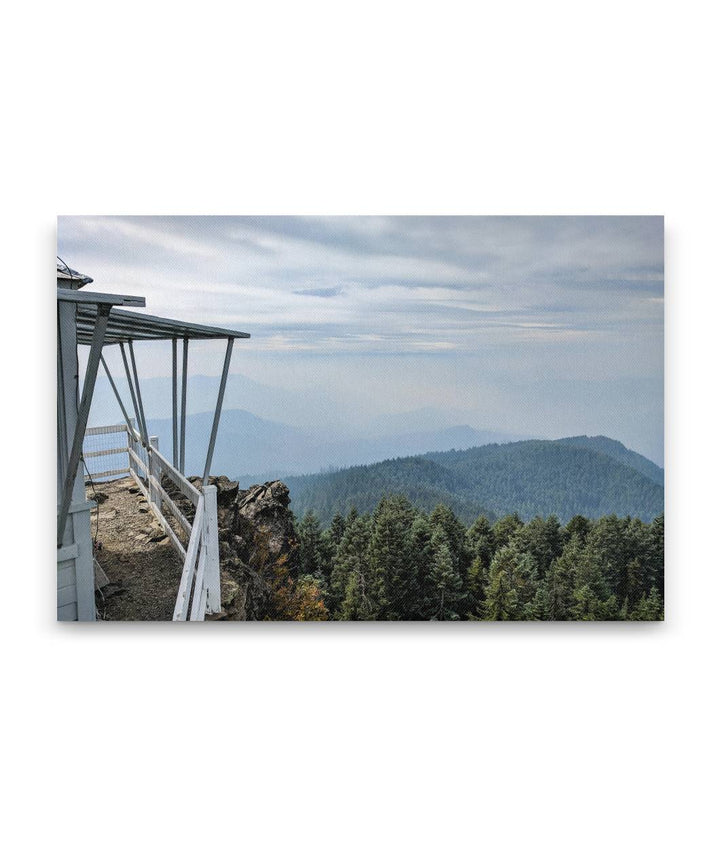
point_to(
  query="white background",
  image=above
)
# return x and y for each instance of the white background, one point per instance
(343, 739)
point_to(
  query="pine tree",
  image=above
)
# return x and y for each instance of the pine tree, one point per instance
(578, 526)
(446, 585)
(351, 559)
(656, 574)
(444, 520)
(477, 582)
(504, 529)
(390, 558)
(310, 549)
(480, 541)
(512, 585)
(649, 608)
(501, 600)
(593, 599)
(542, 539)
(421, 557)
(560, 582)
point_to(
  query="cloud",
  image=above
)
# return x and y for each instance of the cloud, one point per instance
(549, 298)
(320, 292)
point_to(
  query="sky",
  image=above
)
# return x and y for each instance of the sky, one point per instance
(537, 326)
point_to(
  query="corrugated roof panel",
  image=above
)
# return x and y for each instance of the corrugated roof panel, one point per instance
(124, 326)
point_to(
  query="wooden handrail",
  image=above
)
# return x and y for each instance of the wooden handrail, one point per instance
(183, 598)
(177, 514)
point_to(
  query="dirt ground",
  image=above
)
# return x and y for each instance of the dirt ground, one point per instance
(140, 562)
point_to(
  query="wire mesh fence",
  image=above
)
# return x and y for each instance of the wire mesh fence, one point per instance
(105, 452)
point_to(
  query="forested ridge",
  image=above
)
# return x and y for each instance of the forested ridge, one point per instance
(589, 476)
(399, 562)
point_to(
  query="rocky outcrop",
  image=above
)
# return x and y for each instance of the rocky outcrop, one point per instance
(259, 555)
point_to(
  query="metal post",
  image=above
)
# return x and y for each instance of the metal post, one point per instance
(117, 394)
(212, 556)
(132, 391)
(183, 405)
(101, 322)
(154, 472)
(174, 403)
(139, 396)
(132, 444)
(218, 408)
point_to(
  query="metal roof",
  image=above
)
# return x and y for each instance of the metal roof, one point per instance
(124, 326)
(69, 278)
(69, 296)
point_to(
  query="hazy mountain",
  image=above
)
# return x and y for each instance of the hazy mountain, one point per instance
(311, 413)
(241, 392)
(247, 444)
(533, 477)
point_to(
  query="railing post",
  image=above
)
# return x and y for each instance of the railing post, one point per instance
(154, 472)
(210, 537)
(131, 446)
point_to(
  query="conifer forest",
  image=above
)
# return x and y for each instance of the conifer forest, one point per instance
(398, 562)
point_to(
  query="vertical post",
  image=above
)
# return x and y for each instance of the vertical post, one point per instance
(132, 389)
(139, 396)
(154, 473)
(218, 409)
(183, 405)
(132, 466)
(210, 537)
(174, 404)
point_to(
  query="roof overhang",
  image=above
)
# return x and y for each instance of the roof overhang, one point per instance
(124, 326)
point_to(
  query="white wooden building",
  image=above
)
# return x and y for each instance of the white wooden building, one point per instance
(95, 320)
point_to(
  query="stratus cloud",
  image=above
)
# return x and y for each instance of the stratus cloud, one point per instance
(458, 278)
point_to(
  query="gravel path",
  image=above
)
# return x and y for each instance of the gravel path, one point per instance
(142, 566)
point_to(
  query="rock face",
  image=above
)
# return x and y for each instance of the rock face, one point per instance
(266, 508)
(259, 555)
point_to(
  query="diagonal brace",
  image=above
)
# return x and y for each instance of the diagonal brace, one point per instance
(101, 322)
(218, 409)
(117, 394)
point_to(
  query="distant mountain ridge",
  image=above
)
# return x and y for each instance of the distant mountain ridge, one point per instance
(254, 449)
(592, 476)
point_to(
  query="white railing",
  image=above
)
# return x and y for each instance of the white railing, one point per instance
(199, 591)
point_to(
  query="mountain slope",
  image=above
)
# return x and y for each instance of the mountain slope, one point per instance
(529, 477)
(615, 449)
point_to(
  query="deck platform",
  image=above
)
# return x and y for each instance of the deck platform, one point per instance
(141, 564)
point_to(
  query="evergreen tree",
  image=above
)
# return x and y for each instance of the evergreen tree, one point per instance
(478, 580)
(444, 520)
(593, 598)
(421, 557)
(512, 585)
(649, 608)
(310, 547)
(504, 529)
(351, 559)
(501, 600)
(578, 526)
(656, 572)
(392, 584)
(480, 541)
(542, 539)
(446, 585)
(329, 544)
(560, 581)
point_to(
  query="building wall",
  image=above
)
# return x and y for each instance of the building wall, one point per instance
(75, 575)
